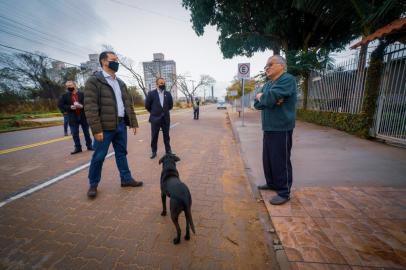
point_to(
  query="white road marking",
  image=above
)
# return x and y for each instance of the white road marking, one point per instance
(174, 125)
(54, 180)
(48, 183)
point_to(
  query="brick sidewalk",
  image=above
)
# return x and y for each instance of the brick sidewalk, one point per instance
(59, 228)
(334, 227)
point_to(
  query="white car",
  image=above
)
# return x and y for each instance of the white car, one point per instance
(221, 105)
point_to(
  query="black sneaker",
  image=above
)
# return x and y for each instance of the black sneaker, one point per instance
(278, 200)
(90, 148)
(92, 192)
(77, 150)
(153, 155)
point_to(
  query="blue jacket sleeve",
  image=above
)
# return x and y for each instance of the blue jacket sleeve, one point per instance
(282, 89)
(257, 104)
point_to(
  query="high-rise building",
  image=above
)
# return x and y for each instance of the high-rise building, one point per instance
(159, 67)
(92, 65)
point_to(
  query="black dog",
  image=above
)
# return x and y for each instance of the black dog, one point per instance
(179, 194)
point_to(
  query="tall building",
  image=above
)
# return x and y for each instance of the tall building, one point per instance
(159, 67)
(55, 72)
(92, 65)
(89, 67)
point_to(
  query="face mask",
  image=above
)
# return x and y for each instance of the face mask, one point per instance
(113, 65)
(162, 87)
(70, 89)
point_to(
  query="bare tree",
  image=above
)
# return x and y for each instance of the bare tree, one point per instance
(30, 73)
(191, 92)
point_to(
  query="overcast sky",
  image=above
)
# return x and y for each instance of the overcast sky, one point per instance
(70, 29)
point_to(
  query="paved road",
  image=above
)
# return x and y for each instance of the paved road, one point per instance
(58, 227)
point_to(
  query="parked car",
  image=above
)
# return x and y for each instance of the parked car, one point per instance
(221, 105)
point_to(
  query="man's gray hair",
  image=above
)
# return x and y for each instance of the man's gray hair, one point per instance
(280, 60)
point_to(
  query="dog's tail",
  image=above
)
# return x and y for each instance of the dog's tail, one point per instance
(189, 219)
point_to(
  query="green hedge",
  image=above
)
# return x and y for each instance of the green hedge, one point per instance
(356, 124)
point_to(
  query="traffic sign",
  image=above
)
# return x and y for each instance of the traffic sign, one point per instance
(244, 71)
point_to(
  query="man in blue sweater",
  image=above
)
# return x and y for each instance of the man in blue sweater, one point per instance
(277, 102)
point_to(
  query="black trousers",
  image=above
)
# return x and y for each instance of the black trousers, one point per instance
(74, 122)
(196, 113)
(277, 146)
(155, 127)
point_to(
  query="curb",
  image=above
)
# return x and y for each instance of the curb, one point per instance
(274, 244)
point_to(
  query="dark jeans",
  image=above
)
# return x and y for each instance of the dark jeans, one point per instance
(74, 129)
(155, 127)
(65, 123)
(118, 138)
(196, 113)
(277, 146)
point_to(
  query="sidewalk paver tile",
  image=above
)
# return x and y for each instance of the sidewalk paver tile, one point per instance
(304, 241)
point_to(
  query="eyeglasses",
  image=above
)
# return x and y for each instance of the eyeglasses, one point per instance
(269, 65)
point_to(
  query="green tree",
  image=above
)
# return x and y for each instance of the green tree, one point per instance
(303, 29)
(370, 15)
(236, 85)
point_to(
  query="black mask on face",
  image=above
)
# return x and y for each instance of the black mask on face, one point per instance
(113, 65)
(70, 89)
(162, 87)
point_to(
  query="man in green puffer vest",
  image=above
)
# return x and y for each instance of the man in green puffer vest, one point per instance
(277, 102)
(109, 110)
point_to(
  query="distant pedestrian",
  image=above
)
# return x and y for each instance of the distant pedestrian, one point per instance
(277, 100)
(71, 104)
(109, 110)
(196, 108)
(158, 103)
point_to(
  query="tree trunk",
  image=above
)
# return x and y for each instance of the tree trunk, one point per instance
(305, 90)
(372, 83)
(276, 50)
(362, 57)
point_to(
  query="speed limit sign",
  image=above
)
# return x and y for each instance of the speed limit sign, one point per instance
(244, 71)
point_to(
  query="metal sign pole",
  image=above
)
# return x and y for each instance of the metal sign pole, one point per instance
(242, 102)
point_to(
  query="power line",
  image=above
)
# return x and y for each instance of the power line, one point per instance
(46, 34)
(16, 49)
(39, 42)
(148, 11)
(31, 20)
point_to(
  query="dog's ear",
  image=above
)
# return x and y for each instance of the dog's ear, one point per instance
(176, 158)
(161, 160)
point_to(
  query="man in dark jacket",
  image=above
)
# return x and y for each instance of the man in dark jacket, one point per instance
(158, 103)
(277, 101)
(196, 108)
(71, 104)
(109, 110)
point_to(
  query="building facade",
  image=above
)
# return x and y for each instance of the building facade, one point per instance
(159, 67)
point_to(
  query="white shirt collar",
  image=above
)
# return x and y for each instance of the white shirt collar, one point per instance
(106, 75)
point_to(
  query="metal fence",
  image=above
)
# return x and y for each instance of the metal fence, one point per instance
(390, 118)
(337, 90)
(342, 90)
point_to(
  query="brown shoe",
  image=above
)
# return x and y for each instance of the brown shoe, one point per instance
(92, 192)
(131, 183)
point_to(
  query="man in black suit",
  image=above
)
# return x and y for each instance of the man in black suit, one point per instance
(158, 103)
(72, 103)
